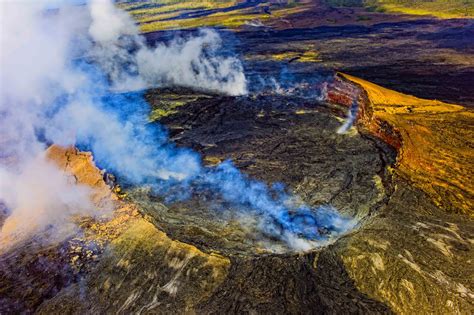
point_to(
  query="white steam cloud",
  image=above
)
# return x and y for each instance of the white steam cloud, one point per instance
(109, 23)
(61, 69)
(350, 119)
(41, 196)
(34, 73)
(50, 92)
(191, 62)
(190, 66)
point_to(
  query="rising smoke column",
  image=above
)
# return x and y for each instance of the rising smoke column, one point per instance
(60, 75)
(190, 62)
(57, 65)
(34, 73)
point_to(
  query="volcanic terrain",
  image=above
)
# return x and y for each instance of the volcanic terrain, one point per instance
(371, 117)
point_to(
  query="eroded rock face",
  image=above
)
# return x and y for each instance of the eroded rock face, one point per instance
(416, 241)
(80, 166)
(433, 140)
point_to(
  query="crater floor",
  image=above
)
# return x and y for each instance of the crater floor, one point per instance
(275, 139)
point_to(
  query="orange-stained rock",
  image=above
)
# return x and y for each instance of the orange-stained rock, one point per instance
(81, 166)
(434, 140)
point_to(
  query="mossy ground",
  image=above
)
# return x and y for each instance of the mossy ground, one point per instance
(165, 15)
(304, 56)
(168, 103)
(171, 14)
(439, 8)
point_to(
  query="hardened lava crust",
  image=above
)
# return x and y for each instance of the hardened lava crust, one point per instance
(276, 139)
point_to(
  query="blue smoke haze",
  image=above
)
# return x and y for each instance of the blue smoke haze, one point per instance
(77, 107)
(147, 149)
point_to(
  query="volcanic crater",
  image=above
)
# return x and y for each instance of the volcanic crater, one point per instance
(193, 255)
(275, 139)
(402, 172)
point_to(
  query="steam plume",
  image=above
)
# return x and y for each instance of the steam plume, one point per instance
(61, 70)
(351, 117)
(191, 62)
(34, 75)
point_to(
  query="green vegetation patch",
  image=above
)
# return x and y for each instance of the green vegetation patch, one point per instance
(168, 104)
(168, 14)
(438, 8)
